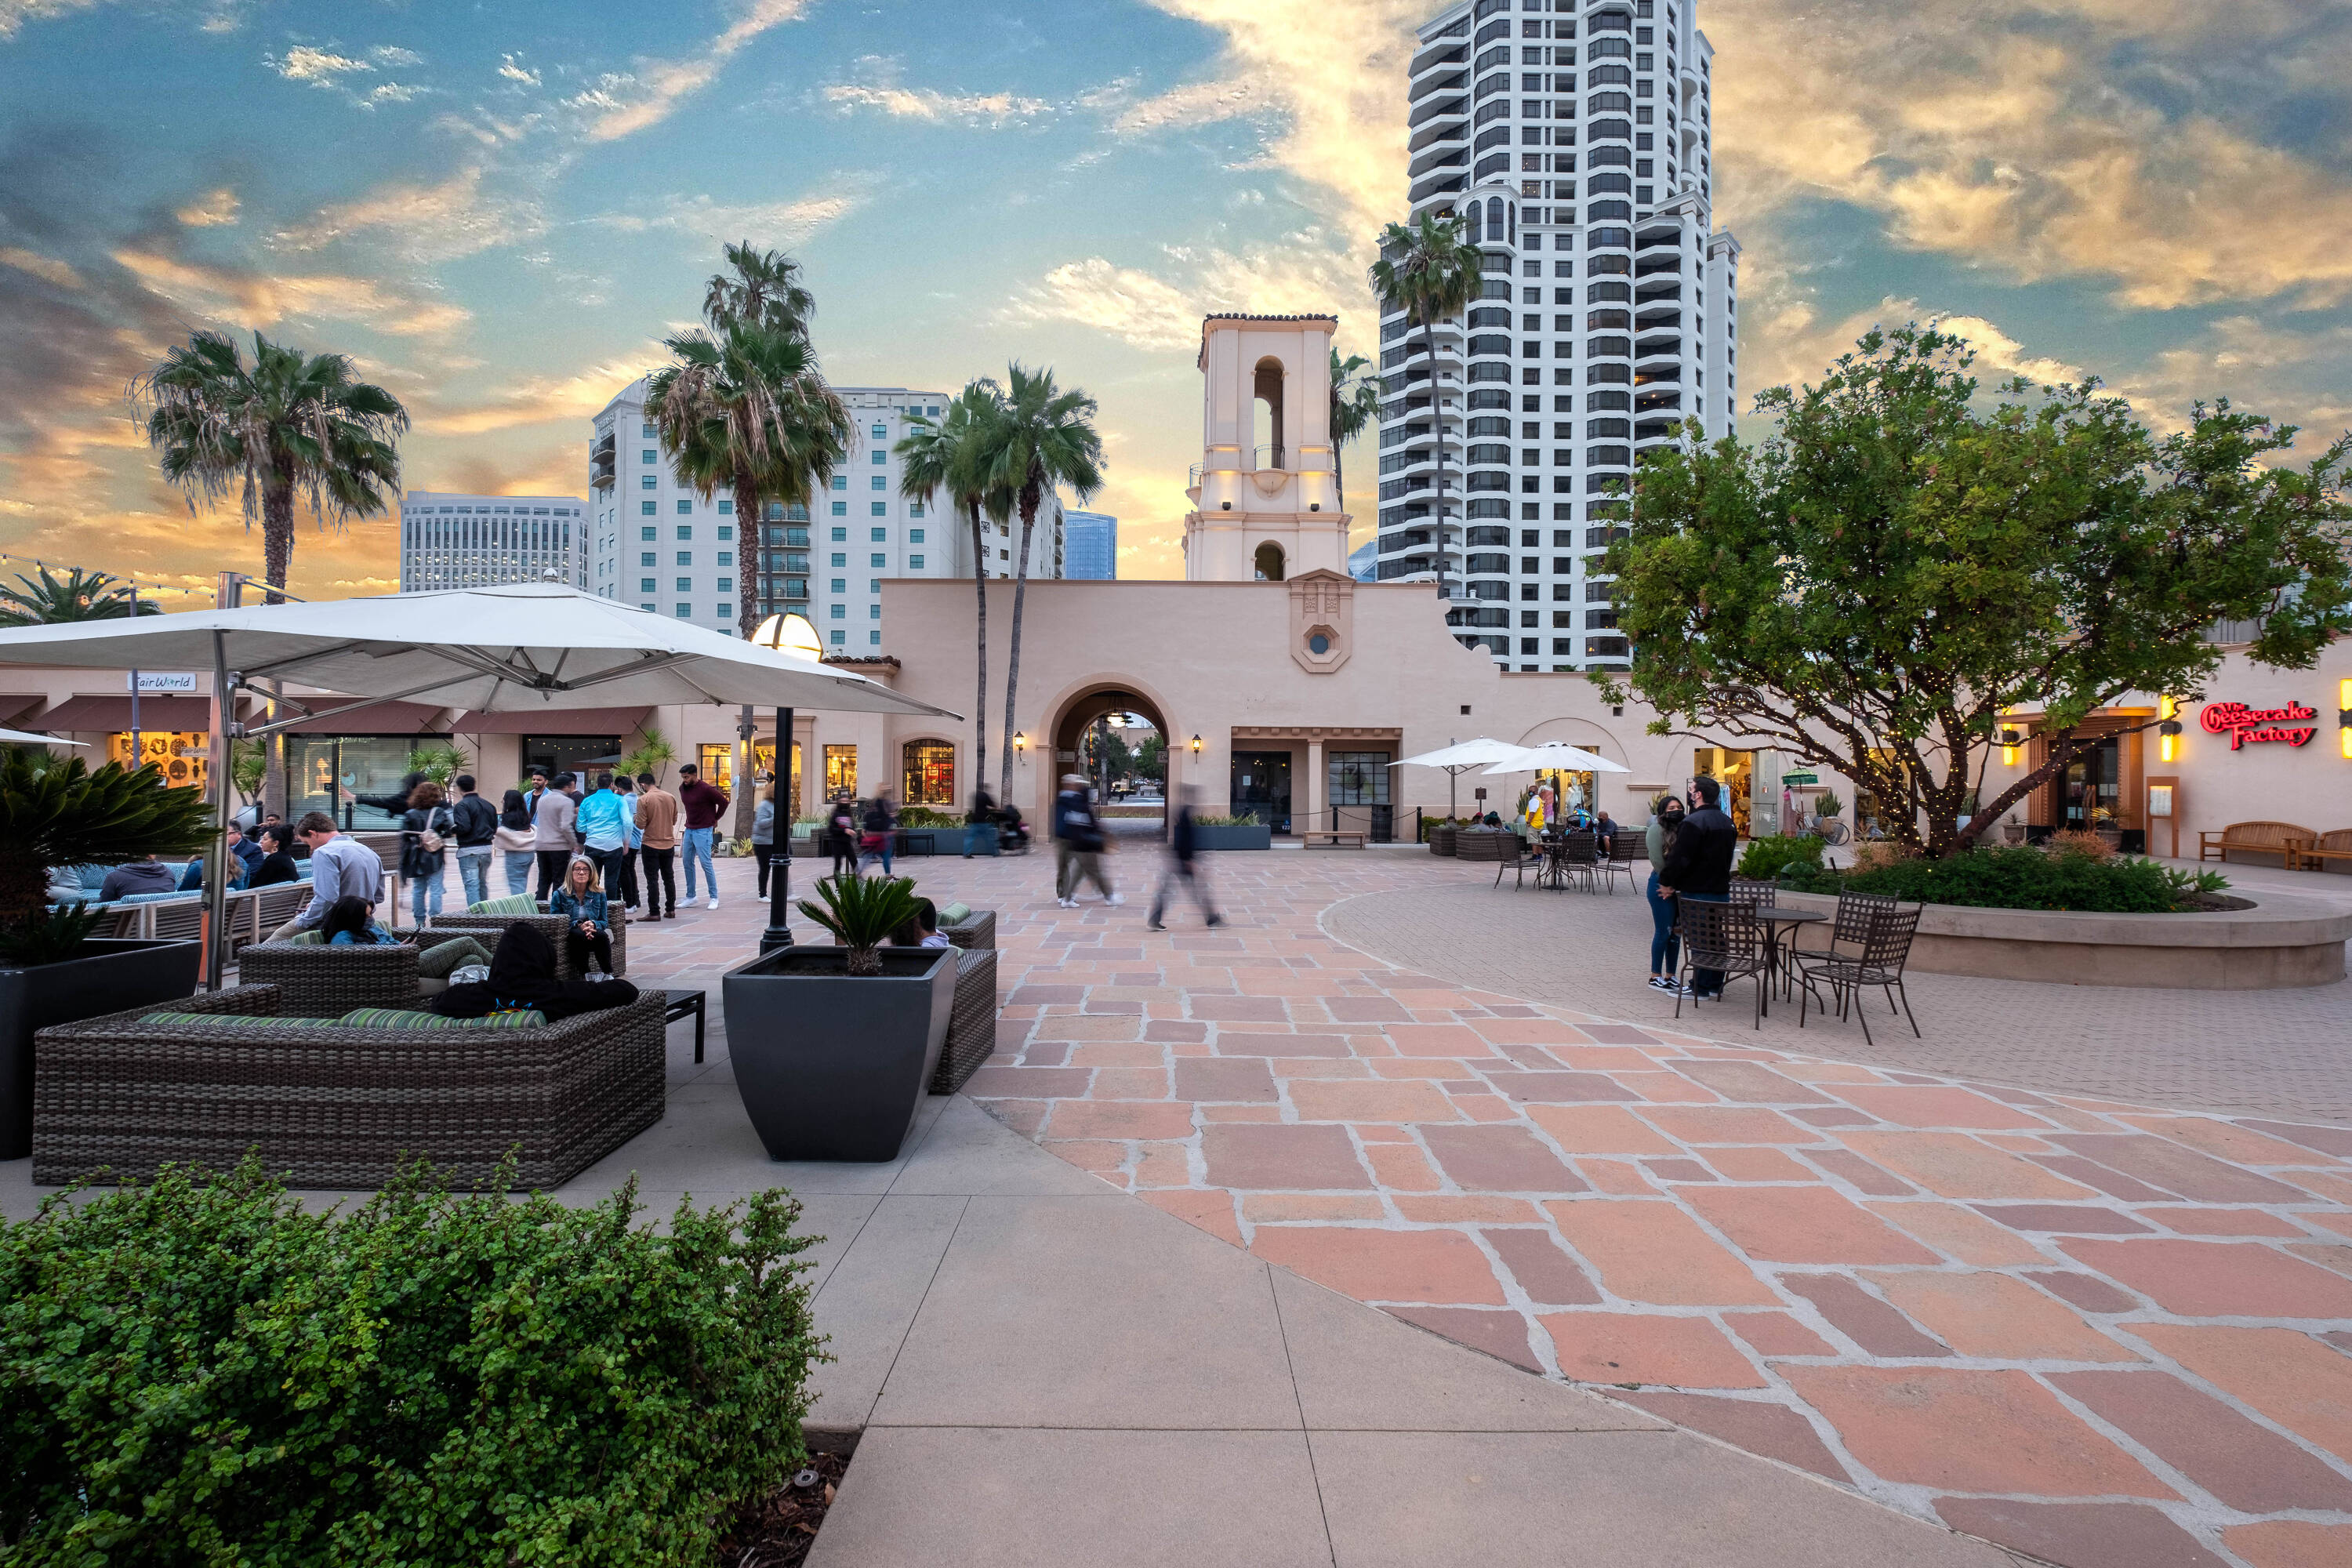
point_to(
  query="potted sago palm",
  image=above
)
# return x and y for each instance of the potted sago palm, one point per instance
(55, 813)
(834, 1046)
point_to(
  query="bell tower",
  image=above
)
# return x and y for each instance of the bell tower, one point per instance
(1266, 492)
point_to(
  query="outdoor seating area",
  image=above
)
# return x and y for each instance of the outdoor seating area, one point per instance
(2278, 838)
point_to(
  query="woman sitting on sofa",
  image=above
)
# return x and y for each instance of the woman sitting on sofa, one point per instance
(588, 930)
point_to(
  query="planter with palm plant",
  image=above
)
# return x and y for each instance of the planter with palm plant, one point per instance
(834, 1047)
(55, 813)
(1431, 273)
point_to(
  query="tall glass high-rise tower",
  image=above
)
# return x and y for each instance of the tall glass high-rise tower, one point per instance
(1573, 140)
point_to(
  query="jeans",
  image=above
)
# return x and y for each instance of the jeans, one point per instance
(583, 948)
(554, 865)
(1664, 951)
(868, 857)
(474, 872)
(518, 864)
(626, 865)
(1706, 982)
(424, 896)
(698, 848)
(661, 877)
(979, 838)
(762, 853)
(1073, 867)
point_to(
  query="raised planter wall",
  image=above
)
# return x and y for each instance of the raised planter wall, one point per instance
(2282, 942)
(113, 974)
(1255, 835)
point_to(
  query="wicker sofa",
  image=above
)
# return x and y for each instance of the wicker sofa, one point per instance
(338, 1106)
(972, 1027)
(316, 981)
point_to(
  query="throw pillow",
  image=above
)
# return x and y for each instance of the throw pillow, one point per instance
(230, 1020)
(434, 963)
(955, 914)
(512, 904)
(308, 939)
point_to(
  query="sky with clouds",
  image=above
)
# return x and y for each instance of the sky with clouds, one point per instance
(499, 212)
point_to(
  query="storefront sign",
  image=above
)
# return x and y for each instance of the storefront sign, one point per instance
(2246, 725)
(1792, 780)
(161, 680)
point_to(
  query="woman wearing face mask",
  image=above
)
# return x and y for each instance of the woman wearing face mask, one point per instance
(1665, 815)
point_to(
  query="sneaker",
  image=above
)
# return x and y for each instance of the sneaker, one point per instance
(1153, 925)
(1216, 921)
(714, 903)
(1067, 903)
(1660, 983)
(1114, 901)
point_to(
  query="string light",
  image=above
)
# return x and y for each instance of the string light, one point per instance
(58, 569)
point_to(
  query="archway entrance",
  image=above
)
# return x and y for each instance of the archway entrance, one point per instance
(1117, 738)
(1269, 562)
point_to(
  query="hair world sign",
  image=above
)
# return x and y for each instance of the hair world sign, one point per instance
(2295, 724)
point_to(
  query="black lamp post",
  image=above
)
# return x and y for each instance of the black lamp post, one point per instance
(793, 635)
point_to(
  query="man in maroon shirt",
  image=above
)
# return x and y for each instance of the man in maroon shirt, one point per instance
(703, 804)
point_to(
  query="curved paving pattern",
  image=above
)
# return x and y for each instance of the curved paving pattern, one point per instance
(2089, 1329)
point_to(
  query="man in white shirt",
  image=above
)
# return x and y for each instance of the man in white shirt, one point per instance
(339, 866)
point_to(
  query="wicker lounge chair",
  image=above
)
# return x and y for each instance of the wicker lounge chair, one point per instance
(977, 929)
(316, 981)
(335, 1106)
(972, 1027)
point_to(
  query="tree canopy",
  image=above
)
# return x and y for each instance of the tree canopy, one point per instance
(1898, 566)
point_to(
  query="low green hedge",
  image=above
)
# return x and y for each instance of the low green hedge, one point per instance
(2022, 877)
(202, 1370)
(1772, 854)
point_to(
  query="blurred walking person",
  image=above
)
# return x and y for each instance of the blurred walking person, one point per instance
(1184, 844)
(1078, 845)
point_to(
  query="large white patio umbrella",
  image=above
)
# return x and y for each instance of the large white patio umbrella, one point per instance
(526, 645)
(1457, 759)
(26, 738)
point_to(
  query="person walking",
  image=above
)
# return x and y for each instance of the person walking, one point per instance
(339, 866)
(763, 831)
(979, 826)
(588, 930)
(841, 833)
(658, 813)
(554, 838)
(876, 833)
(1698, 867)
(703, 804)
(478, 826)
(427, 829)
(514, 840)
(1183, 846)
(632, 840)
(1078, 845)
(1658, 838)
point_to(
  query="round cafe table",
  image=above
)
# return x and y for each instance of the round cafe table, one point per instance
(1781, 962)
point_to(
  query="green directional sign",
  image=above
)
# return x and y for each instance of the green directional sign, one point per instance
(1799, 778)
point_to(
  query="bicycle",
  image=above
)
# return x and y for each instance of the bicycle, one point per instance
(1831, 830)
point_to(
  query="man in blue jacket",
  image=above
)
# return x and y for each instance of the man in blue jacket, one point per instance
(603, 824)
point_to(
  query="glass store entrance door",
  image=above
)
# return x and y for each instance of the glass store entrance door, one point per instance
(2093, 787)
(1261, 787)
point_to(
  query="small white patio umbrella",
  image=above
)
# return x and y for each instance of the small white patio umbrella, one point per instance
(1556, 757)
(26, 738)
(528, 645)
(1457, 759)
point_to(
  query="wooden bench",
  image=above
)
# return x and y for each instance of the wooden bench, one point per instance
(2314, 854)
(1332, 838)
(2253, 838)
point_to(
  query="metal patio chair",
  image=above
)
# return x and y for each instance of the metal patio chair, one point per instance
(1876, 959)
(1723, 937)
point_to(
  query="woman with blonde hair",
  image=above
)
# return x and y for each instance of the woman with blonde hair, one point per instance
(763, 831)
(588, 930)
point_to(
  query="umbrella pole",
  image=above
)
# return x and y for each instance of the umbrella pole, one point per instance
(216, 858)
(779, 857)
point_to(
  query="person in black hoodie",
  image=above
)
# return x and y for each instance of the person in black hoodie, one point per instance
(1183, 846)
(1699, 866)
(522, 979)
(478, 823)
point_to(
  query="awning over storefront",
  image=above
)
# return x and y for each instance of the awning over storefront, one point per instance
(16, 705)
(375, 718)
(112, 714)
(553, 721)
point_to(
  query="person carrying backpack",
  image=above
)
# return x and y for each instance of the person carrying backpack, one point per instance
(426, 833)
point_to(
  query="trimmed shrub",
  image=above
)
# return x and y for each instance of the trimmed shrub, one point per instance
(203, 1370)
(1768, 857)
(2022, 877)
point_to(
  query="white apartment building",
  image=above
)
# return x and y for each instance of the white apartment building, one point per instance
(1573, 139)
(450, 540)
(658, 545)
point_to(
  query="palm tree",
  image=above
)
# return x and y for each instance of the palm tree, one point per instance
(288, 425)
(946, 455)
(1355, 404)
(77, 596)
(766, 287)
(1428, 271)
(744, 410)
(1040, 439)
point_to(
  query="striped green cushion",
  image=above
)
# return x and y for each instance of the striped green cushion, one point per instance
(512, 904)
(404, 1018)
(308, 939)
(955, 914)
(231, 1020)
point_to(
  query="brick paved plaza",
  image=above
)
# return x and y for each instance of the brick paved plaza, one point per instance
(2088, 1330)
